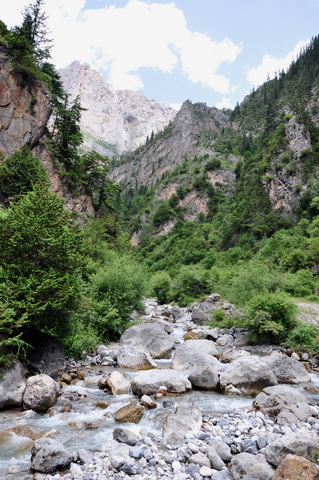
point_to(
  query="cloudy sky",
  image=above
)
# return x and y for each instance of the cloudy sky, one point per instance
(213, 51)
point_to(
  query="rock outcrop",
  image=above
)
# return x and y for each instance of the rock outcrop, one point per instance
(24, 112)
(114, 121)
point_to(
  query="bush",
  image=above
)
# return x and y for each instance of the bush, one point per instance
(242, 282)
(191, 283)
(300, 284)
(117, 289)
(20, 172)
(160, 286)
(304, 337)
(271, 315)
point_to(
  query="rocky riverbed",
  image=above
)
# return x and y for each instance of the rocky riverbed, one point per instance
(173, 400)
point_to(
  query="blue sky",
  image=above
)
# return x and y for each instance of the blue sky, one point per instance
(203, 50)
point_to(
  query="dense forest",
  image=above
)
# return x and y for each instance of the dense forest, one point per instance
(79, 279)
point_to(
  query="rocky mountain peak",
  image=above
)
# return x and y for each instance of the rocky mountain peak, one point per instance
(115, 121)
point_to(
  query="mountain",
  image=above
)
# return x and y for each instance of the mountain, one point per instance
(252, 170)
(115, 121)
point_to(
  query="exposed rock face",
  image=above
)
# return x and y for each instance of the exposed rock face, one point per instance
(115, 120)
(12, 386)
(24, 112)
(177, 142)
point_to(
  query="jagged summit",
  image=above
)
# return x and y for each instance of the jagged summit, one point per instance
(115, 121)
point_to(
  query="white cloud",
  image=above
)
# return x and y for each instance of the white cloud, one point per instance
(270, 65)
(225, 102)
(143, 34)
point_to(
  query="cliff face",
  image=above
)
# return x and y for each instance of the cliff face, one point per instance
(114, 121)
(178, 141)
(24, 114)
(24, 111)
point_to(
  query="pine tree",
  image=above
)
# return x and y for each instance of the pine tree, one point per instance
(35, 30)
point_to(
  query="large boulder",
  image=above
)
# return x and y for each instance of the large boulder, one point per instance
(202, 346)
(131, 413)
(12, 385)
(272, 400)
(294, 467)
(247, 375)
(130, 357)
(149, 337)
(286, 369)
(295, 444)
(149, 381)
(299, 412)
(41, 393)
(247, 466)
(47, 355)
(186, 420)
(48, 455)
(201, 368)
(118, 384)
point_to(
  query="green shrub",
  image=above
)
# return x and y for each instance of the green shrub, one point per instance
(271, 315)
(191, 283)
(117, 289)
(160, 286)
(304, 337)
(300, 284)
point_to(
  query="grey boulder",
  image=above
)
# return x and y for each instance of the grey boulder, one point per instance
(286, 369)
(131, 357)
(149, 337)
(185, 420)
(41, 393)
(201, 368)
(149, 381)
(247, 375)
(296, 444)
(12, 386)
(272, 400)
(246, 466)
(48, 455)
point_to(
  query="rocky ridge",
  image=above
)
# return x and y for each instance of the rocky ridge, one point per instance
(115, 121)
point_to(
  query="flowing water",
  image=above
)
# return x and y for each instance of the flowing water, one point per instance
(77, 421)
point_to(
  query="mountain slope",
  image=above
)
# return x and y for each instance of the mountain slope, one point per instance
(253, 170)
(114, 121)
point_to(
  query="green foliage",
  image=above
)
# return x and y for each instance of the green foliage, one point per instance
(304, 337)
(163, 214)
(116, 290)
(191, 282)
(161, 286)
(19, 173)
(271, 315)
(41, 257)
(300, 284)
